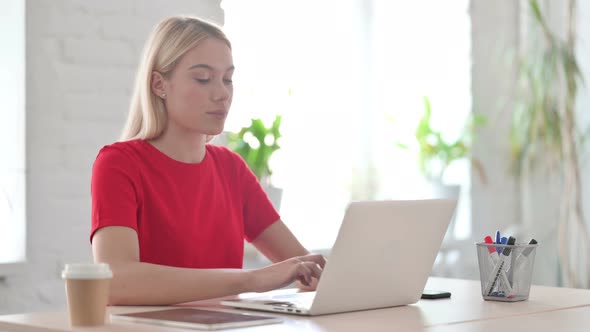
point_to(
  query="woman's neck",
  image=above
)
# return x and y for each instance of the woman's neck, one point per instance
(181, 146)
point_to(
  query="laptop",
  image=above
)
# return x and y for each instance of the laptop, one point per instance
(382, 257)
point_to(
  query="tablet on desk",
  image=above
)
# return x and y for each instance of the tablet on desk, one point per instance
(199, 319)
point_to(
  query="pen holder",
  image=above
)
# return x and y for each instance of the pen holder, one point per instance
(505, 271)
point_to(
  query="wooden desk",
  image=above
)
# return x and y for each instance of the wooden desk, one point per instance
(571, 320)
(465, 310)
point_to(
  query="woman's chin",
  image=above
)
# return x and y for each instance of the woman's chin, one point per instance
(215, 132)
(210, 130)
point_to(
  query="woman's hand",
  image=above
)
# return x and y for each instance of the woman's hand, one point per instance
(304, 269)
(308, 288)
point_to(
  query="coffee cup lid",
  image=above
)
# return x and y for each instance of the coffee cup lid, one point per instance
(87, 271)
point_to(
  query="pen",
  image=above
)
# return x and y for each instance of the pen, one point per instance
(498, 241)
(503, 263)
(493, 258)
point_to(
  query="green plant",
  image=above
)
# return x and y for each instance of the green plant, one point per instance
(256, 144)
(435, 154)
(545, 129)
(546, 70)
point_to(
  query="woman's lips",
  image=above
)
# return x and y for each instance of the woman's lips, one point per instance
(218, 114)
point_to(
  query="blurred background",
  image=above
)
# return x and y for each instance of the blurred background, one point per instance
(340, 100)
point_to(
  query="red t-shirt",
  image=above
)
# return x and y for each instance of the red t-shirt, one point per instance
(185, 215)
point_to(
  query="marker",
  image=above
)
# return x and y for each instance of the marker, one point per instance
(521, 264)
(528, 251)
(493, 258)
(491, 250)
(493, 255)
(503, 263)
(498, 241)
(503, 240)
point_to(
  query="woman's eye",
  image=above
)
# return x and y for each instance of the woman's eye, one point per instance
(202, 80)
(228, 81)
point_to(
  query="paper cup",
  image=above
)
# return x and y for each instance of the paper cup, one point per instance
(87, 290)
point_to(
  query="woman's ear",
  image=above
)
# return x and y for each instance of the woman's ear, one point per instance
(158, 85)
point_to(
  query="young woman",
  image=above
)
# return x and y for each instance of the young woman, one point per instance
(169, 211)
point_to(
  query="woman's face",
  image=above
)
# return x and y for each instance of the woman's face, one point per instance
(199, 91)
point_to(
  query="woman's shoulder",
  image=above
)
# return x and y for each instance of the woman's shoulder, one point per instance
(222, 153)
(224, 158)
(120, 152)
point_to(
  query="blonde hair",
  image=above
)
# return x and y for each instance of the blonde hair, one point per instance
(168, 42)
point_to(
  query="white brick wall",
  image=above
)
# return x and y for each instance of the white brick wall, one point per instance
(81, 61)
(495, 204)
(583, 103)
(81, 58)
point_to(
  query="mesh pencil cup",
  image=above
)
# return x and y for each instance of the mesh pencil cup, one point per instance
(505, 270)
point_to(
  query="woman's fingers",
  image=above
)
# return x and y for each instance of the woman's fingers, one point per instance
(308, 270)
(305, 269)
(316, 270)
(309, 267)
(316, 258)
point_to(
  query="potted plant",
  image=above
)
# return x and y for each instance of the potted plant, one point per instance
(435, 154)
(256, 144)
(546, 139)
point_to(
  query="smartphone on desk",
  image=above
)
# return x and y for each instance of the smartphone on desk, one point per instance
(429, 294)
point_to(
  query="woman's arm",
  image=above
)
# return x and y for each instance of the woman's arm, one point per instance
(277, 243)
(137, 283)
(150, 284)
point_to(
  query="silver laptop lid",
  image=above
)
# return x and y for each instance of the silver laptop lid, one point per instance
(383, 254)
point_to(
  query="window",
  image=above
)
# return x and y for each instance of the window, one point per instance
(421, 48)
(335, 70)
(12, 134)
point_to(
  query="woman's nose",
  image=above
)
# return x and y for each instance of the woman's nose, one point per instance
(222, 92)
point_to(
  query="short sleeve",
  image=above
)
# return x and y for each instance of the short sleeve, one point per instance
(259, 213)
(114, 191)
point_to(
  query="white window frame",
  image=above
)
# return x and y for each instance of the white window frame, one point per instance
(12, 138)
